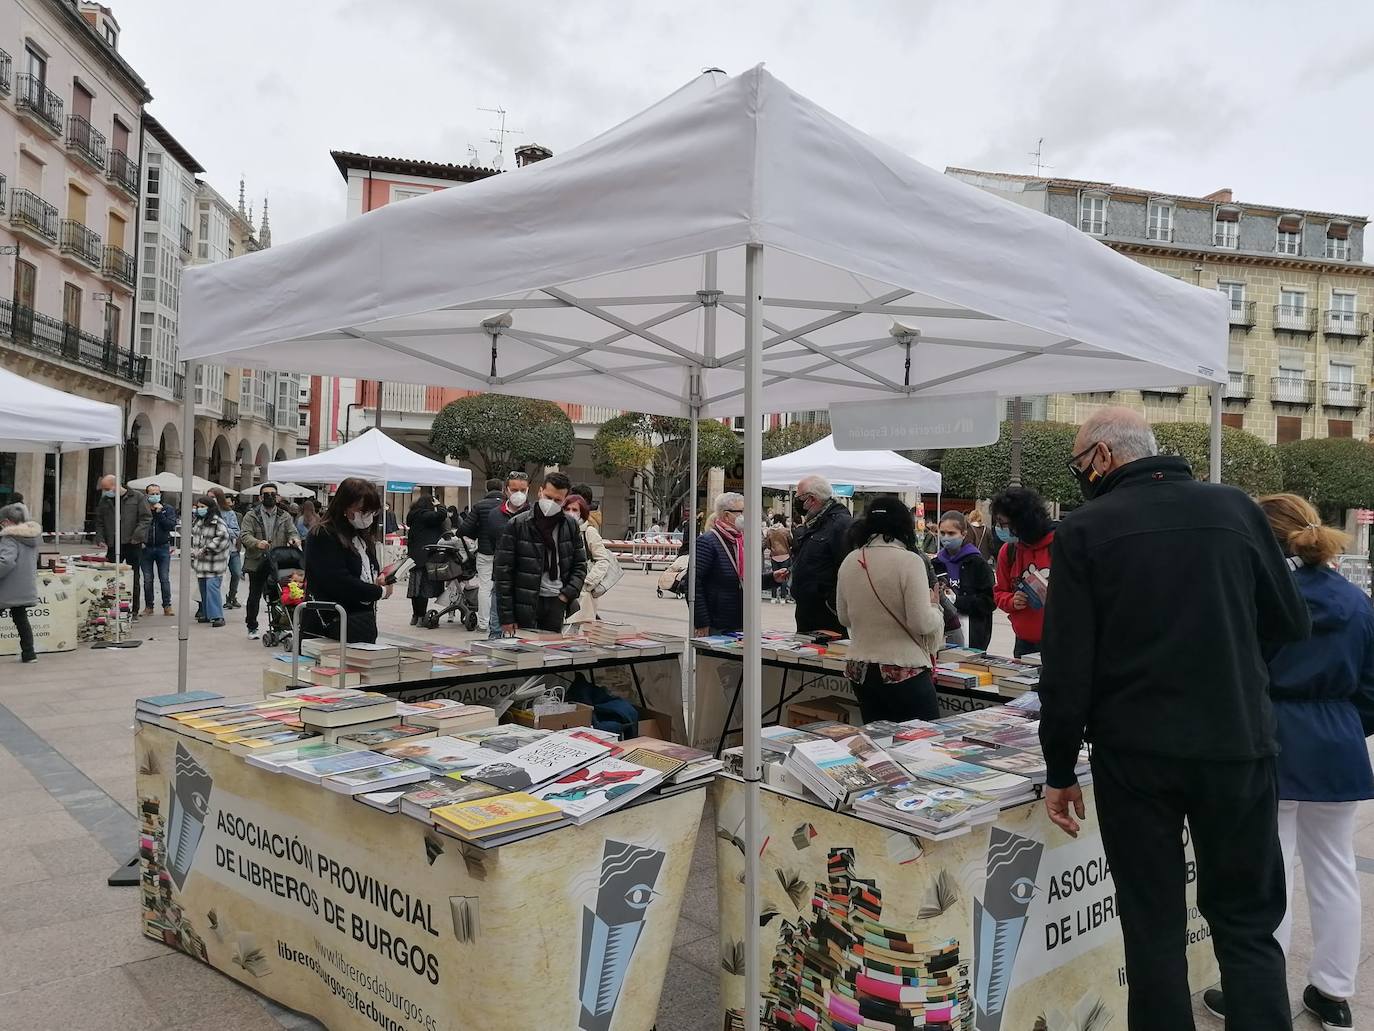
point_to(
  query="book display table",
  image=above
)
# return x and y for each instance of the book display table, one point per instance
(366, 919)
(75, 606)
(715, 706)
(1017, 918)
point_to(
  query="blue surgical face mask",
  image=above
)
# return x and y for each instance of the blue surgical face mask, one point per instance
(201, 511)
(1006, 536)
(951, 543)
(108, 493)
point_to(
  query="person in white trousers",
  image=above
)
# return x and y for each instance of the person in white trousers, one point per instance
(1323, 695)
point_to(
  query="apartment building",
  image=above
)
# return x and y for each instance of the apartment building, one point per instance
(1297, 280)
(70, 117)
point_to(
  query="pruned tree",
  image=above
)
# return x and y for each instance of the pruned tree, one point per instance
(1335, 473)
(793, 437)
(1246, 461)
(501, 432)
(980, 472)
(651, 455)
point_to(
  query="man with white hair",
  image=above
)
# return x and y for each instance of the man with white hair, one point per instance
(1163, 589)
(819, 545)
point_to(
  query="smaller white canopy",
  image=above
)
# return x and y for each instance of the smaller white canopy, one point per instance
(38, 418)
(290, 491)
(864, 470)
(171, 483)
(374, 456)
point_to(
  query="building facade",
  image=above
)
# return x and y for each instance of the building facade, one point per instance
(1300, 295)
(70, 118)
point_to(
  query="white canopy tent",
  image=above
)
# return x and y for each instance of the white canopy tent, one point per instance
(288, 490)
(630, 272)
(171, 482)
(863, 470)
(375, 457)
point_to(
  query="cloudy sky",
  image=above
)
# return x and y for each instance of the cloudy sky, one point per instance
(1183, 97)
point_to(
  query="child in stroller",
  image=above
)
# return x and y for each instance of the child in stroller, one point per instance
(285, 566)
(452, 563)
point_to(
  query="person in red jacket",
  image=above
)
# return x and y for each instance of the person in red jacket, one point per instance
(1021, 520)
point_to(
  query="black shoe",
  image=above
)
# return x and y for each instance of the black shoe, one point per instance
(201, 619)
(1215, 1003)
(28, 657)
(232, 603)
(217, 622)
(414, 620)
(1334, 1014)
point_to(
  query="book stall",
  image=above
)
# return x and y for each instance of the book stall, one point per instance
(376, 863)
(78, 603)
(910, 878)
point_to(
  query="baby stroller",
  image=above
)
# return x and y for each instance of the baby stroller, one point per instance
(674, 579)
(452, 563)
(282, 564)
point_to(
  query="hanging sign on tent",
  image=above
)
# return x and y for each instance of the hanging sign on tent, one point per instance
(915, 423)
(399, 487)
(842, 490)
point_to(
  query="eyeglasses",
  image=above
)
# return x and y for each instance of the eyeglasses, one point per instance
(1072, 463)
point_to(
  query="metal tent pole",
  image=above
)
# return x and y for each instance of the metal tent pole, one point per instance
(57, 499)
(188, 465)
(689, 675)
(753, 622)
(1214, 451)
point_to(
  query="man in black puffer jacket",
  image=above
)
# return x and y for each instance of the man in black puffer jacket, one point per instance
(818, 547)
(541, 563)
(485, 522)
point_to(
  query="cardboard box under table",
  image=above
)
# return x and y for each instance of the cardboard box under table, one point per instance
(716, 709)
(1014, 921)
(366, 919)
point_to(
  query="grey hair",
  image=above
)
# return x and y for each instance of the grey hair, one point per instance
(727, 499)
(817, 485)
(1126, 432)
(15, 513)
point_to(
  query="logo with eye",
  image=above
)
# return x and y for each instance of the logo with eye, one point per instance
(639, 896)
(1022, 889)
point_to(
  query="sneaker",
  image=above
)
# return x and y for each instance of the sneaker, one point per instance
(167, 610)
(253, 633)
(217, 622)
(232, 603)
(1214, 1003)
(1334, 1014)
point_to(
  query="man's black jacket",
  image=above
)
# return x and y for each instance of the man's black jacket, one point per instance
(1161, 592)
(485, 522)
(818, 548)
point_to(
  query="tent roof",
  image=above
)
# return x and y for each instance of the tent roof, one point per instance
(863, 470)
(614, 271)
(171, 482)
(374, 456)
(38, 418)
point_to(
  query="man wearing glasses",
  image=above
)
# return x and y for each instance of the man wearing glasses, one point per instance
(1163, 590)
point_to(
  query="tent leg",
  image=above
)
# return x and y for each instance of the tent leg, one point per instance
(753, 622)
(689, 670)
(1214, 451)
(57, 500)
(188, 465)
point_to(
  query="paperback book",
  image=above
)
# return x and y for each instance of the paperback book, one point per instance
(376, 778)
(539, 762)
(500, 814)
(600, 788)
(420, 800)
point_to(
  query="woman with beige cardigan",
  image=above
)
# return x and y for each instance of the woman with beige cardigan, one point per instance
(599, 559)
(894, 617)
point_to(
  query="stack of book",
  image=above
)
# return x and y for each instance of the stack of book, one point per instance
(680, 765)
(836, 771)
(928, 809)
(332, 716)
(446, 716)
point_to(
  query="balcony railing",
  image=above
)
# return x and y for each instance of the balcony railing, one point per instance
(1243, 313)
(179, 385)
(81, 243)
(1338, 322)
(54, 338)
(1240, 387)
(4, 195)
(1337, 250)
(1162, 234)
(33, 98)
(87, 142)
(1226, 239)
(230, 414)
(1343, 395)
(1163, 391)
(123, 172)
(270, 414)
(1285, 390)
(6, 72)
(31, 212)
(1295, 318)
(186, 246)
(119, 266)
(1093, 226)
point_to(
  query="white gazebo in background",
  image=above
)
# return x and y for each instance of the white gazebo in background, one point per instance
(732, 250)
(862, 470)
(375, 457)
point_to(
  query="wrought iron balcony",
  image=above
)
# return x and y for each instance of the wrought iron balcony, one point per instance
(1243, 313)
(1226, 239)
(270, 414)
(1337, 322)
(179, 385)
(1163, 391)
(4, 195)
(229, 415)
(32, 214)
(6, 72)
(119, 266)
(38, 103)
(61, 341)
(186, 247)
(1239, 387)
(81, 243)
(1294, 318)
(1285, 390)
(1343, 395)
(123, 172)
(87, 142)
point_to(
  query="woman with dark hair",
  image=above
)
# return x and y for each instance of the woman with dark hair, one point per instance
(425, 524)
(970, 578)
(209, 554)
(1021, 520)
(599, 558)
(341, 564)
(895, 621)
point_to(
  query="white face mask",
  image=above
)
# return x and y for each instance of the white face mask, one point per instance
(550, 507)
(739, 522)
(517, 499)
(363, 520)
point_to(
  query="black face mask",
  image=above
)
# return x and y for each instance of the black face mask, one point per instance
(1089, 479)
(269, 501)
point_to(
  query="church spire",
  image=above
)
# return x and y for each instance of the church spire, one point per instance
(265, 234)
(242, 212)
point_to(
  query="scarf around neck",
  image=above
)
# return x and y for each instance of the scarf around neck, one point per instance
(547, 528)
(732, 538)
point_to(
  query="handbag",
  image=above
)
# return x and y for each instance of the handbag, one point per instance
(863, 564)
(613, 574)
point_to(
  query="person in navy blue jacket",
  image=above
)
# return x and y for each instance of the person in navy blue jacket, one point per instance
(156, 556)
(1323, 695)
(718, 602)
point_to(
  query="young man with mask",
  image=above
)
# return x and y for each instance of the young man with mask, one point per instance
(1168, 681)
(819, 545)
(541, 563)
(156, 557)
(265, 526)
(135, 516)
(485, 522)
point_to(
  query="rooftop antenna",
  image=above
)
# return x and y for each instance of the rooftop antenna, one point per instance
(501, 133)
(472, 155)
(1038, 154)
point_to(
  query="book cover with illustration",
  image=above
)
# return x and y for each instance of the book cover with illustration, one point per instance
(605, 785)
(484, 816)
(539, 762)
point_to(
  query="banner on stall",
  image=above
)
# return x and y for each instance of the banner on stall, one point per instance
(915, 423)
